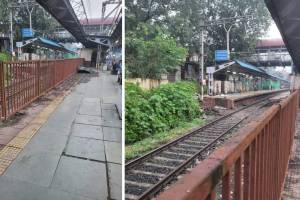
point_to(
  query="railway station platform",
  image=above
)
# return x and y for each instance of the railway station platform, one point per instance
(292, 182)
(231, 101)
(71, 150)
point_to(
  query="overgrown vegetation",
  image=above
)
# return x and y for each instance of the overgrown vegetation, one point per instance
(5, 56)
(159, 109)
(141, 147)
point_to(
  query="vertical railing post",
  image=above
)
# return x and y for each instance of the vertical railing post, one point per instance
(38, 78)
(3, 95)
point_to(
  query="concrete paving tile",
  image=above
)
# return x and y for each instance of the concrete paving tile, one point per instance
(86, 179)
(91, 100)
(112, 123)
(37, 168)
(90, 109)
(51, 143)
(112, 99)
(113, 151)
(56, 127)
(112, 134)
(110, 115)
(115, 181)
(86, 148)
(108, 106)
(87, 131)
(90, 120)
(11, 189)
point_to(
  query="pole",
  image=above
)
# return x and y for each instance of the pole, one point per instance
(202, 64)
(30, 15)
(228, 38)
(11, 34)
(30, 21)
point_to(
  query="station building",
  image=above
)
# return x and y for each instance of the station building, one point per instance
(238, 76)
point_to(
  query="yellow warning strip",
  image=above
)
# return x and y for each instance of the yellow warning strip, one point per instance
(10, 152)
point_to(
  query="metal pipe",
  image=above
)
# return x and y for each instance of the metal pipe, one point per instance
(11, 34)
(202, 64)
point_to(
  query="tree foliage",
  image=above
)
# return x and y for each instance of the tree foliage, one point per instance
(151, 53)
(42, 22)
(183, 20)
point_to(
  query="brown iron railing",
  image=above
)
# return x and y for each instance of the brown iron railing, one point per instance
(251, 166)
(24, 81)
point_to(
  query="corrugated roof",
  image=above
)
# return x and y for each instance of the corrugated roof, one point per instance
(249, 66)
(253, 69)
(50, 42)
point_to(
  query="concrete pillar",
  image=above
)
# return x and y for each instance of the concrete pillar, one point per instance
(295, 82)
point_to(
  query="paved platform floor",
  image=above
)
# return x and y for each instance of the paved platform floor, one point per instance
(76, 154)
(292, 182)
(235, 96)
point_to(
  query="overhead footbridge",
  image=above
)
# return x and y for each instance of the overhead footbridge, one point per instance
(64, 13)
(287, 18)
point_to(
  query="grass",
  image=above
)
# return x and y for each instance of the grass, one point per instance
(142, 147)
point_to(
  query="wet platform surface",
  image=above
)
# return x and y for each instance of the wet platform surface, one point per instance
(292, 181)
(76, 154)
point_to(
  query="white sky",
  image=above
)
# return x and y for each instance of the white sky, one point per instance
(94, 8)
(273, 32)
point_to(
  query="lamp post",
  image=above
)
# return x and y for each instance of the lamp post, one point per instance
(11, 34)
(227, 38)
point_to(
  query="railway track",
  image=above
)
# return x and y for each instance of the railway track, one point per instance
(149, 174)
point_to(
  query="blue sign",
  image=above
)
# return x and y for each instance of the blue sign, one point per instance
(221, 55)
(27, 33)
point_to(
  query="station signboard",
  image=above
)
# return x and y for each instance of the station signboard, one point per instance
(210, 70)
(221, 55)
(27, 33)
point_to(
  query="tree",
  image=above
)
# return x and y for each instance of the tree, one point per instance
(183, 20)
(153, 54)
(42, 22)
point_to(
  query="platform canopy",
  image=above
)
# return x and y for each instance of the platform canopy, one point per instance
(244, 68)
(286, 14)
(46, 43)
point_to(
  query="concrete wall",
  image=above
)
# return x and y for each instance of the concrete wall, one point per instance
(147, 83)
(86, 54)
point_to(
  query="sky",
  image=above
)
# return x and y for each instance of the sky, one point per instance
(94, 7)
(273, 32)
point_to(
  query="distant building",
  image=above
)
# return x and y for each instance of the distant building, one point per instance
(270, 53)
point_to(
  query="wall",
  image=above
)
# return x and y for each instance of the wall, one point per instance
(147, 83)
(86, 54)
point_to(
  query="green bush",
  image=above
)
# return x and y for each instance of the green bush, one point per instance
(5, 57)
(159, 109)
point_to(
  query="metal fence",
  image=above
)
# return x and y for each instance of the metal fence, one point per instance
(24, 81)
(251, 165)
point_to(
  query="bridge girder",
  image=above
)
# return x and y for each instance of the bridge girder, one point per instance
(63, 12)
